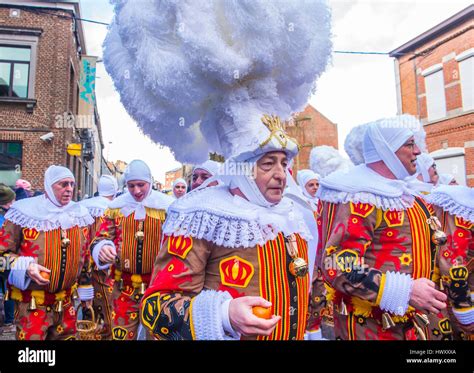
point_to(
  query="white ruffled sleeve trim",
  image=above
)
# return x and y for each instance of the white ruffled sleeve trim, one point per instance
(465, 317)
(207, 316)
(396, 293)
(96, 251)
(18, 276)
(448, 204)
(85, 292)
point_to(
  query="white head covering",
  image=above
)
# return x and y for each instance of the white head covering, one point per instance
(44, 212)
(353, 144)
(423, 163)
(445, 179)
(383, 138)
(180, 181)
(210, 166)
(139, 170)
(107, 186)
(52, 175)
(303, 177)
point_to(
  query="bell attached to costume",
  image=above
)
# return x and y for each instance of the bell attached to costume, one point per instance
(298, 266)
(142, 288)
(59, 306)
(139, 234)
(438, 237)
(32, 305)
(65, 241)
(387, 321)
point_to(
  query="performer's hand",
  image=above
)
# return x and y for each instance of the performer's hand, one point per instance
(245, 322)
(33, 272)
(107, 254)
(425, 297)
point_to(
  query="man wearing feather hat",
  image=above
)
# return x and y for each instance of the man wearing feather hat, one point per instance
(205, 78)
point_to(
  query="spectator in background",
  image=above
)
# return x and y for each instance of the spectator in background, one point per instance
(179, 188)
(25, 185)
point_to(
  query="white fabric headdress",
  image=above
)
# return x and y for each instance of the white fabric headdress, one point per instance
(383, 138)
(423, 163)
(139, 170)
(210, 166)
(44, 213)
(107, 186)
(303, 177)
(180, 181)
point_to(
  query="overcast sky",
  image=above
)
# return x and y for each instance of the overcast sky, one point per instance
(355, 89)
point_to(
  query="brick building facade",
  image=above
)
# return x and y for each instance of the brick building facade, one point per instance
(435, 82)
(46, 42)
(311, 128)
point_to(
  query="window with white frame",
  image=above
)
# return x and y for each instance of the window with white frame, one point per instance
(435, 95)
(466, 74)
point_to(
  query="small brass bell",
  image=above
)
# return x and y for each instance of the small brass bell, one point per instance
(387, 321)
(75, 295)
(343, 310)
(65, 242)
(59, 306)
(142, 288)
(423, 319)
(139, 236)
(7, 295)
(298, 267)
(32, 305)
(439, 237)
(121, 284)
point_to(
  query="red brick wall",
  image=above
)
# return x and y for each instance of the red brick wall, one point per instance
(311, 129)
(458, 128)
(407, 66)
(56, 48)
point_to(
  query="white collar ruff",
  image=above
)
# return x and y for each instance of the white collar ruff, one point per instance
(41, 214)
(96, 205)
(360, 184)
(458, 200)
(215, 215)
(127, 204)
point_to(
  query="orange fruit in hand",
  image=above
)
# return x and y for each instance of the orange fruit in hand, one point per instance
(262, 312)
(45, 275)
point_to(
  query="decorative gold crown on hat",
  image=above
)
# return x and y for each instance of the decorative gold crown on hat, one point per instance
(216, 157)
(273, 123)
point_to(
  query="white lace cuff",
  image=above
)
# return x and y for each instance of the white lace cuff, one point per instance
(207, 315)
(396, 293)
(464, 316)
(85, 292)
(226, 321)
(18, 277)
(96, 251)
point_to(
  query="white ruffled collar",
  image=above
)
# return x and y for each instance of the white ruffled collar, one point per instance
(360, 184)
(214, 214)
(127, 204)
(96, 205)
(41, 214)
(458, 200)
